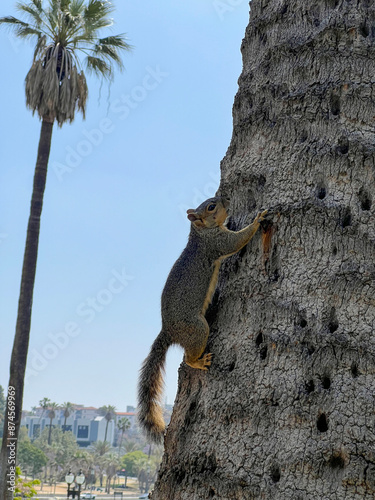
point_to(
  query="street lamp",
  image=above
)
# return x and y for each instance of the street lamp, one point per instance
(79, 479)
(69, 478)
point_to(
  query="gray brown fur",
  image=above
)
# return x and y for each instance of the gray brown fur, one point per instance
(187, 293)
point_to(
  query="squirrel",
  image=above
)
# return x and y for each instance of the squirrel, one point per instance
(187, 294)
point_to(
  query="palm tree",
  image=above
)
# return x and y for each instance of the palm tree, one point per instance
(109, 413)
(56, 88)
(44, 404)
(67, 409)
(100, 449)
(123, 425)
(51, 415)
(287, 407)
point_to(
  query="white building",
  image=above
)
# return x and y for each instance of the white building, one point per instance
(85, 422)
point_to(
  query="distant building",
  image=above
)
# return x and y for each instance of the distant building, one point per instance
(84, 422)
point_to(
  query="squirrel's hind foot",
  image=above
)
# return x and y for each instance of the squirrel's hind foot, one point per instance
(202, 363)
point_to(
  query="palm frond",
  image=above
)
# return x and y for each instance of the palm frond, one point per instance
(13, 22)
(98, 9)
(109, 53)
(64, 5)
(117, 41)
(99, 67)
(35, 15)
(39, 47)
(82, 93)
(76, 8)
(33, 84)
(52, 14)
(27, 31)
(38, 4)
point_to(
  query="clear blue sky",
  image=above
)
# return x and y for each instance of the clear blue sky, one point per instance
(118, 187)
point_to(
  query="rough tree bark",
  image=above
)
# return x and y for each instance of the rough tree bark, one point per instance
(286, 410)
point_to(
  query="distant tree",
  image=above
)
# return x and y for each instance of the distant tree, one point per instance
(44, 404)
(112, 464)
(62, 450)
(123, 425)
(67, 409)
(130, 446)
(51, 415)
(24, 488)
(31, 458)
(133, 462)
(100, 448)
(108, 412)
(99, 451)
(23, 435)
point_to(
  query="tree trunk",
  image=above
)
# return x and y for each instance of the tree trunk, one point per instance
(50, 431)
(286, 410)
(21, 338)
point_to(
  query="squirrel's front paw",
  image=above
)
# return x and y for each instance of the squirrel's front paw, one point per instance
(260, 216)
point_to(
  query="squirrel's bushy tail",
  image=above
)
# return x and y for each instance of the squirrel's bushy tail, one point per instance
(150, 389)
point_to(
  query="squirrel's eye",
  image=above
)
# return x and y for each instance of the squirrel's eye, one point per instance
(211, 207)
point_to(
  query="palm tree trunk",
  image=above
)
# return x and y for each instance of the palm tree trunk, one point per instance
(286, 410)
(21, 338)
(50, 431)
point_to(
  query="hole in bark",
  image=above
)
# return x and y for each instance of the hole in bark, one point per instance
(179, 475)
(335, 104)
(334, 250)
(211, 493)
(326, 382)
(259, 339)
(275, 276)
(303, 137)
(284, 9)
(263, 352)
(337, 461)
(261, 181)
(242, 252)
(343, 146)
(321, 192)
(354, 370)
(365, 199)
(346, 217)
(333, 326)
(303, 323)
(364, 31)
(231, 224)
(275, 474)
(310, 386)
(322, 423)
(308, 347)
(231, 366)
